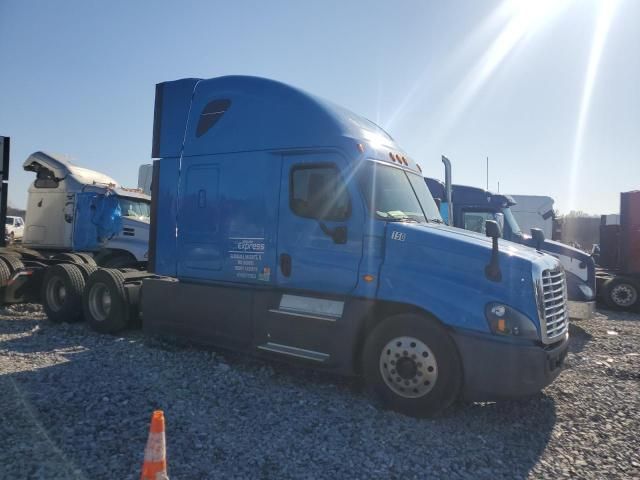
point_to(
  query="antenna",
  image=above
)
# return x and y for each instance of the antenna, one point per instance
(487, 173)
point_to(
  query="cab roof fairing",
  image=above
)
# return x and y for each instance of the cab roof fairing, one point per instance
(262, 114)
(62, 168)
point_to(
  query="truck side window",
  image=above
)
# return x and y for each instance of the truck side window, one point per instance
(317, 191)
(474, 221)
(45, 179)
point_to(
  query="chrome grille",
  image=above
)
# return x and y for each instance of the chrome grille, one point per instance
(554, 303)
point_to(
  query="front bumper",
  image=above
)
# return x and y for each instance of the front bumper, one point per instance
(497, 368)
(581, 310)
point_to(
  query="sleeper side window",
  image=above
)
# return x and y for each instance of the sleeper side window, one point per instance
(318, 191)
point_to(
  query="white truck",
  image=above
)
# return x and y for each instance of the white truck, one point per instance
(14, 228)
(74, 209)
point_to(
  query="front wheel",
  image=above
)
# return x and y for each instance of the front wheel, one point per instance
(411, 364)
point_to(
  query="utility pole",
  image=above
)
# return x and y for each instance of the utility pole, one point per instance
(4, 178)
(487, 173)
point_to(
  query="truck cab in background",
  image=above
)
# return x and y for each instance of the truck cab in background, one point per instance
(473, 206)
(74, 209)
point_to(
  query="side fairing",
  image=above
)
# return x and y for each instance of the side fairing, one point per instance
(445, 276)
(163, 221)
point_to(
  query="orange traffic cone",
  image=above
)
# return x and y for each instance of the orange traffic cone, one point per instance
(155, 453)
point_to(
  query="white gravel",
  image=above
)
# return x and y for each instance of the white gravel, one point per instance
(76, 404)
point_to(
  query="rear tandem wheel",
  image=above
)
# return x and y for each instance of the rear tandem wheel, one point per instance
(62, 288)
(105, 303)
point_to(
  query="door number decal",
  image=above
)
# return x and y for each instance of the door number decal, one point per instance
(399, 236)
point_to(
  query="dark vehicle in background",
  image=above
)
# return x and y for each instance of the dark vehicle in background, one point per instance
(618, 256)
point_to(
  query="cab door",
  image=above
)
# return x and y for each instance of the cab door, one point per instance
(321, 226)
(319, 251)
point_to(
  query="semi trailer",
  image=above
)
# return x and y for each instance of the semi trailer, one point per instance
(290, 228)
(469, 208)
(618, 272)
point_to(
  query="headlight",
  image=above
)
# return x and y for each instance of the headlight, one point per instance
(506, 321)
(586, 290)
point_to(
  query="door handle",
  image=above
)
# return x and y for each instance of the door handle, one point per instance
(285, 264)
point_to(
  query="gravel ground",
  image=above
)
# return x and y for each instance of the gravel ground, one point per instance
(76, 404)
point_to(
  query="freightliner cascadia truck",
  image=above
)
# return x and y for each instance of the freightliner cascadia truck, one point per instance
(470, 207)
(290, 228)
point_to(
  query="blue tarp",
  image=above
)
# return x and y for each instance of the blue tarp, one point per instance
(97, 218)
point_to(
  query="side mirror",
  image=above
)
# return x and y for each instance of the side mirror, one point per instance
(337, 234)
(538, 237)
(492, 229)
(340, 234)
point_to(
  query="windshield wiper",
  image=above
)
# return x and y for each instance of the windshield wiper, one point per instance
(436, 220)
(401, 219)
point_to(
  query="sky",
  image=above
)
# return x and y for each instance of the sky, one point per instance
(548, 90)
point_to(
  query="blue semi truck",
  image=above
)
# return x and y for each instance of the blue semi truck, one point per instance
(469, 207)
(290, 228)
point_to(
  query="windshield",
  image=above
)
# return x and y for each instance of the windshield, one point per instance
(511, 221)
(134, 207)
(397, 195)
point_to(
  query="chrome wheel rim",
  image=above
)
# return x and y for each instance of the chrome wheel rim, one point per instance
(56, 294)
(99, 302)
(408, 367)
(624, 295)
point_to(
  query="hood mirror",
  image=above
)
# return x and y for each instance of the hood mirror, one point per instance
(538, 237)
(492, 229)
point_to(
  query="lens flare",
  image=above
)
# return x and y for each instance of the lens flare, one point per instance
(525, 18)
(605, 17)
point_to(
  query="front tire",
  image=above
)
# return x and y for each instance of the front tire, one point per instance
(412, 365)
(105, 303)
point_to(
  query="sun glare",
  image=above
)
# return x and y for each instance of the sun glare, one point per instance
(605, 16)
(525, 18)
